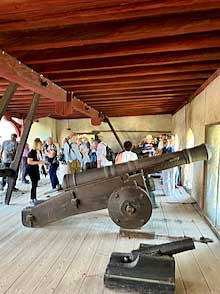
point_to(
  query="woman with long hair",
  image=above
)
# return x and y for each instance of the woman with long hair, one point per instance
(34, 160)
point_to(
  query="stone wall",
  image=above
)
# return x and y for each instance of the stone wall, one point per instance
(202, 111)
(132, 128)
(45, 127)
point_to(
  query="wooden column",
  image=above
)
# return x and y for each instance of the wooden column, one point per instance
(114, 132)
(16, 162)
(6, 98)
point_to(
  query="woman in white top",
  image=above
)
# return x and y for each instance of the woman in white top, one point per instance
(126, 155)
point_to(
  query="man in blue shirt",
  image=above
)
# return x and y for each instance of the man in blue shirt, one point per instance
(167, 175)
(166, 147)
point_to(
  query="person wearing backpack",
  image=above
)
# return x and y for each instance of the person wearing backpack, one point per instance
(7, 155)
(104, 154)
(72, 155)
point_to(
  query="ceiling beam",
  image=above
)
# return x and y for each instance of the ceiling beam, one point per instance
(136, 94)
(180, 43)
(141, 98)
(14, 71)
(140, 88)
(90, 11)
(144, 78)
(133, 84)
(134, 71)
(205, 84)
(212, 54)
(138, 104)
(91, 99)
(90, 33)
(199, 90)
(149, 78)
(151, 81)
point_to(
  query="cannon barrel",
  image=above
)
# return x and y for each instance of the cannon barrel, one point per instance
(151, 165)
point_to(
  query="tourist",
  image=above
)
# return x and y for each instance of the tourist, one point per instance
(72, 155)
(167, 175)
(34, 160)
(102, 153)
(7, 155)
(93, 154)
(126, 155)
(50, 151)
(147, 148)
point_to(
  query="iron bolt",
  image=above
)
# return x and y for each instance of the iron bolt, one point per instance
(29, 218)
(116, 195)
(75, 202)
(126, 259)
(130, 209)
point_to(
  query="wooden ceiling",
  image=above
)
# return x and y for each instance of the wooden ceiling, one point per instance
(130, 57)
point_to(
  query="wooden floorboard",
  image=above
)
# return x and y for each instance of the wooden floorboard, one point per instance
(71, 256)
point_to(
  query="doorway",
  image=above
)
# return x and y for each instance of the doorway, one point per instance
(188, 169)
(212, 176)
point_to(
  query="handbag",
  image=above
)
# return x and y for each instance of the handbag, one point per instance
(74, 166)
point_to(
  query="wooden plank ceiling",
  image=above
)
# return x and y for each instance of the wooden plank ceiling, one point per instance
(130, 57)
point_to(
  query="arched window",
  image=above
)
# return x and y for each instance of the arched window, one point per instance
(177, 142)
(188, 170)
(189, 139)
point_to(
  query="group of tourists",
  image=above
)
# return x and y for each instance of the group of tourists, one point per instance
(153, 146)
(78, 154)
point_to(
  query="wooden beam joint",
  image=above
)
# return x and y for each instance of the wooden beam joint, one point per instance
(65, 109)
(18, 73)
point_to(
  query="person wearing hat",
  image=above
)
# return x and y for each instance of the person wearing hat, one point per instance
(7, 155)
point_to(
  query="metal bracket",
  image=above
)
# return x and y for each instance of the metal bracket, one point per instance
(75, 201)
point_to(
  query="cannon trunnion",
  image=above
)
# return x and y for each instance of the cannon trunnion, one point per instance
(125, 195)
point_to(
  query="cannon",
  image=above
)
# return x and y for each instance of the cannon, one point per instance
(148, 269)
(120, 188)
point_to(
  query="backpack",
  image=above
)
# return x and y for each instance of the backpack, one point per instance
(10, 150)
(93, 157)
(110, 156)
(61, 156)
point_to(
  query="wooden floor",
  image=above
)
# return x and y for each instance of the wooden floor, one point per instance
(71, 255)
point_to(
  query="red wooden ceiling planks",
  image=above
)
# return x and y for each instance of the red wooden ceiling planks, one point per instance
(35, 14)
(154, 45)
(121, 57)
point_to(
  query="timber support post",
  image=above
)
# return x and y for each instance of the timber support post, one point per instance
(114, 132)
(6, 98)
(16, 162)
